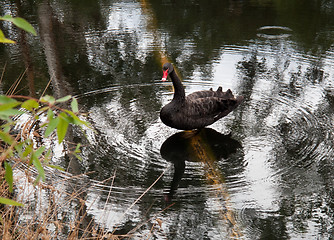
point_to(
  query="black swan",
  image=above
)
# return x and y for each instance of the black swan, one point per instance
(198, 109)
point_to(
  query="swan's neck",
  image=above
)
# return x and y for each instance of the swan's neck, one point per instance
(179, 93)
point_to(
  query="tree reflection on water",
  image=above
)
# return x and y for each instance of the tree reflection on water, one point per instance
(110, 53)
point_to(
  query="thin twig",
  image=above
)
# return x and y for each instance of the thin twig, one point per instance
(3, 72)
(112, 183)
(142, 195)
(154, 216)
(11, 91)
(47, 86)
(146, 191)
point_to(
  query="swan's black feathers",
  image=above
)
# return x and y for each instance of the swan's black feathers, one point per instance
(210, 93)
(198, 109)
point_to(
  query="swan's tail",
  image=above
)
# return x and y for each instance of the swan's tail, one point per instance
(229, 104)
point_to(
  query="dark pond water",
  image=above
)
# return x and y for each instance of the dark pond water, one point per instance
(263, 172)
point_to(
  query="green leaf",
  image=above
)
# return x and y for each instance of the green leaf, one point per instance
(35, 160)
(10, 202)
(7, 154)
(74, 118)
(21, 23)
(64, 99)
(4, 99)
(56, 167)
(77, 156)
(74, 105)
(43, 109)
(6, 18)
(30, 104)
(3, 39)
(38, 166)
(7, 103)
(48, 99)
(68, 117)
(19, 147)
(37, 180)
(47, 155)
(8, 106)
(51, 126)
(28, 150)
(6, 127)
(62, 126)
(9, 113)
(50, 115)
(77, 149)
(6, 137)
(9, 176)
(39, 151)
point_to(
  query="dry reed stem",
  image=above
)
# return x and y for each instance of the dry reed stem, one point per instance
(47, 86)
(37, 229)
(49, 214)
(150, 219)
(146, 191)
(12, 89)
(3, 72)
(45, 211)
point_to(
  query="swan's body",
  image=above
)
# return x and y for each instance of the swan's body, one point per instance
(198, 109)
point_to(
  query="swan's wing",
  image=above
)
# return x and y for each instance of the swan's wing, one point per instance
(203, 107)
(211, 107)
(210, 93)
(230, 106)
(202, 94)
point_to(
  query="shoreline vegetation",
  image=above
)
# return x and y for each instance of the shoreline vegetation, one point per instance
(34, 204)
(37, 196)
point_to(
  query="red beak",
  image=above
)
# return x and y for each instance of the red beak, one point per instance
(165, 75)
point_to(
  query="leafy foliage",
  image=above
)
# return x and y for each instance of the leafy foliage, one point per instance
(18, 148)
(10, 202)
(20, 23)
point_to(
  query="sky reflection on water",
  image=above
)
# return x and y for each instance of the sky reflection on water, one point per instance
(278, 185)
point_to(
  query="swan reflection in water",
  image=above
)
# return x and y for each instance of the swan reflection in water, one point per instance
(205, 145)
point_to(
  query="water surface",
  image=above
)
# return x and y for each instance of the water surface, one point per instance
(263, 172)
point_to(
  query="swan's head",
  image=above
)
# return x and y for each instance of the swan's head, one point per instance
(167, 68)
